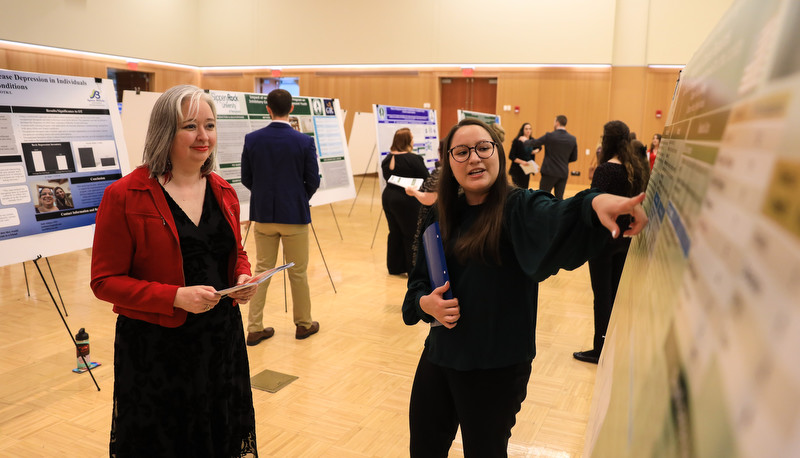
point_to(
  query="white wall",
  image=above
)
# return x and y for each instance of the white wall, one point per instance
(274, 33)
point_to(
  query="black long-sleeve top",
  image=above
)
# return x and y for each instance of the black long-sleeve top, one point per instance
(498, 302)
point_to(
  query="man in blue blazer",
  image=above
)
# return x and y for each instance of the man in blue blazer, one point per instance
(279, 167)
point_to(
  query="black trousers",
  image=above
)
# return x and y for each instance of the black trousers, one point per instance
(605, 270)
(557, 184)
(484, 402)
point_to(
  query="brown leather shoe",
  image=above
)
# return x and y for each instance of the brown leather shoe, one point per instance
(253, 338)
(302, 332)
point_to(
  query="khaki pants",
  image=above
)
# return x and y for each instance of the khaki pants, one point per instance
(294, 237)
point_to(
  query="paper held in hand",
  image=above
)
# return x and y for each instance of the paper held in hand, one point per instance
(255, 280)
(530, 167)
(404, 182)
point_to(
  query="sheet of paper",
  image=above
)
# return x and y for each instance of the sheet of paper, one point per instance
(404, 182)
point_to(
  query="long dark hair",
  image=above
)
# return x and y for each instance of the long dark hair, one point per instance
(616, 142)
(522, 130)
(482, 240)
(653, 145)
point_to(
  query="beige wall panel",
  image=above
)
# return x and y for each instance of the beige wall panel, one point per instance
(627, 91)
(630, 33)
(144, 29)
(532, 31)
(660, 87)
(678, 27)
(255, 32)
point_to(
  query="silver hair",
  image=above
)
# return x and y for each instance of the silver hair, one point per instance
(166, 117)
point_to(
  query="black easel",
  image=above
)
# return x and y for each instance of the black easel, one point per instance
(337, 223)
(55, 283)
(87, 363)
(323, 258)
(285, 299)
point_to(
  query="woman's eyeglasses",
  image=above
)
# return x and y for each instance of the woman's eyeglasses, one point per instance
(484, 150)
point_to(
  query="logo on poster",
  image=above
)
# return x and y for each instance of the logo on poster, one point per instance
(96, 96)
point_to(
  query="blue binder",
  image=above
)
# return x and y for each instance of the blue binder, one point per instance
(434, 255)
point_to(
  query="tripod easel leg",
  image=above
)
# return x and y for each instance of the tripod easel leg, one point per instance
(376, 229)
(25, 271)
(363, 177)
(87, 363)
(55, 283)
(323, 257)
(336, 221)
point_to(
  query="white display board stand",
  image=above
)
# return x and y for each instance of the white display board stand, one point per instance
(239, 113)
(136, 108)
(55, 132)
(362, 144)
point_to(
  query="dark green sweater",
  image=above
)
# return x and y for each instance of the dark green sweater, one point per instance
(498, 303)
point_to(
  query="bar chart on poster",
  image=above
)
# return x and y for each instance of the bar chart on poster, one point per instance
(60, 146)
(700, 356)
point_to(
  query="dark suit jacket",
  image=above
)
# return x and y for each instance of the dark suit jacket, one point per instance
(279, 167)
(560, 148)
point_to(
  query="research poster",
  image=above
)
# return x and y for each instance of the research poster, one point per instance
(60, 146)
(488, 118)
(706, 325)
(240, 113)
(421, 121)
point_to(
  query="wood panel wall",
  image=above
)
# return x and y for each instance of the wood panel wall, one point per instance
(589, 97)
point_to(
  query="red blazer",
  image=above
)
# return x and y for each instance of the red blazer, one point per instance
(136, 256)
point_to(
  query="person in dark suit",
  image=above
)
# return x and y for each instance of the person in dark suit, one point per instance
(560, 148)
(279, 167)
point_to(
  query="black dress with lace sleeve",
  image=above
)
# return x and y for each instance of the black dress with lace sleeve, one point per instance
(185, 391)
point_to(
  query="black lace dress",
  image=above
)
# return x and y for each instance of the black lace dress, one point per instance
(185, 391)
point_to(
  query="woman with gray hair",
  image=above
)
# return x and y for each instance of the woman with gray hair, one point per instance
(167, 239)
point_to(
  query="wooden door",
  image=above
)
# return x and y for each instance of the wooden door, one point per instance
(126, 80)
(474, 94)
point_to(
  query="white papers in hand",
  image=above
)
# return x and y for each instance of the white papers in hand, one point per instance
(404, 182)
(530, 167)
(255, 280)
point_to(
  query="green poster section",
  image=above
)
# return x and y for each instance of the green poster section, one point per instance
(701, 354)
(488, 118)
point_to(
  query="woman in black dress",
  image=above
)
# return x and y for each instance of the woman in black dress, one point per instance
(518, 155)
(167, 238)
(401, 209)
(619, 172)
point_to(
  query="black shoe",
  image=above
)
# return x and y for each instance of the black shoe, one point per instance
(589, 356)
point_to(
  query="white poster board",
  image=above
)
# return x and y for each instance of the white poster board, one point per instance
(136, 108)
(55, 132)
(421, 121)
(362, 144)
(700, 355)
(239, 113)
